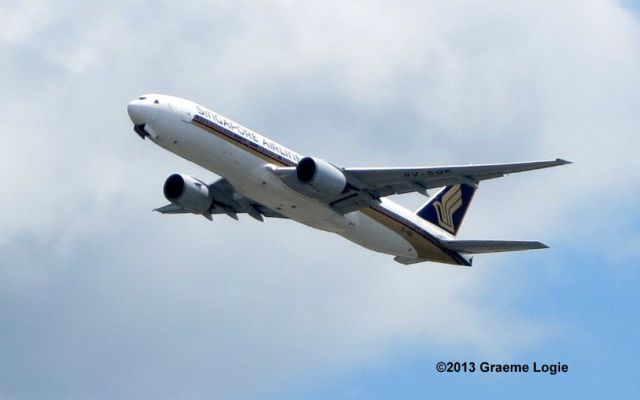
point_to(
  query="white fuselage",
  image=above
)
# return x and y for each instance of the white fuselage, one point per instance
(244, 158)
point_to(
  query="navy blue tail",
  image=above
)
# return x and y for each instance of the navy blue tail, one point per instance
(447, 208)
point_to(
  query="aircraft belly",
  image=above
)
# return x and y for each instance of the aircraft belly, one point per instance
(424, 244)
(248, 174)
(263, 186)
(377, 237)
(208, 151)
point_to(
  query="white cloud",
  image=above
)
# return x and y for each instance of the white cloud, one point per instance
(95, 282)
(20, 20)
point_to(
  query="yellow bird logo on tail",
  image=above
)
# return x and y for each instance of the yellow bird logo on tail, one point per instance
(451, 202)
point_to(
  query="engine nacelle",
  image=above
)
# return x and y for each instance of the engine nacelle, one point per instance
(188, 192)
(325, 180)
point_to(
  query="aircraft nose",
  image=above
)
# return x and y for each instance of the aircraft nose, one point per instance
(139, 112)
(143, 111)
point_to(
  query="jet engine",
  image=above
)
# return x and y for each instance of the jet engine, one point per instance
(189, 193)
(323, 178)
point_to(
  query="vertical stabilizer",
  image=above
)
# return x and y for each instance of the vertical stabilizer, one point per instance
(448, 207)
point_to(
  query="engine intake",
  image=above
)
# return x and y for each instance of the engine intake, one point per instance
(320, 178)
(188, 192)
(306, 169)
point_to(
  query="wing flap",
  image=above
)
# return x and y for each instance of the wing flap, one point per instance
(491, 246)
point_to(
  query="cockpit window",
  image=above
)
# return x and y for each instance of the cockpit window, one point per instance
(142, 98)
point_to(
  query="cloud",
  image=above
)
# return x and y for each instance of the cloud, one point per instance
(102, 298)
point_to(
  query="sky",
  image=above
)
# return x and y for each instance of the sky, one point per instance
(100, 298)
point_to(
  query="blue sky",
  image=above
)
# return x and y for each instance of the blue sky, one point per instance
(599, 350)
(100, 298)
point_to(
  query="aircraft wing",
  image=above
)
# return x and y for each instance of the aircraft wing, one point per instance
(387, 181)
(226, 200)
(380, 182)
(366, 185)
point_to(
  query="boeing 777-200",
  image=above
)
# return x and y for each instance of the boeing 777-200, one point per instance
(265, 179)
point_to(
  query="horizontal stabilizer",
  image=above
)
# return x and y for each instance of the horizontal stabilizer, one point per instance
(407, 260)
(491, 246)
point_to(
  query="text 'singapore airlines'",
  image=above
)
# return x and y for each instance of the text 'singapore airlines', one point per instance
(262, 178)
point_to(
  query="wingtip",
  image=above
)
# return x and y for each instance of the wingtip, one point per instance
(562, 161)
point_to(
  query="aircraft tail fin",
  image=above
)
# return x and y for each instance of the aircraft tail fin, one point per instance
(448, 207)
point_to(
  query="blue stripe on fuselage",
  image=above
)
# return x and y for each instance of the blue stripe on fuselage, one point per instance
(247, 142)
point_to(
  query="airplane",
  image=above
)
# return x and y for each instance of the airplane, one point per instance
(262, 178)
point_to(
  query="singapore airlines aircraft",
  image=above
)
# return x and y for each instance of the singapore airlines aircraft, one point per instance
(265, 179)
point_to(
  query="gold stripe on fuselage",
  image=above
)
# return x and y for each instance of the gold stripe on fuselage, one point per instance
(426, 249)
